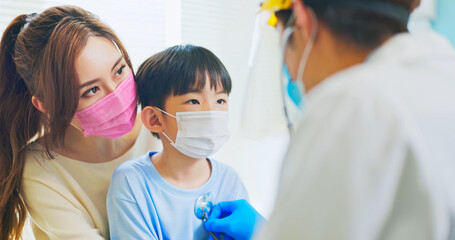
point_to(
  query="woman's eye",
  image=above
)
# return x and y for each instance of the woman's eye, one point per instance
(120, 70)
(91, 92)
(221, 101)
(193, 101)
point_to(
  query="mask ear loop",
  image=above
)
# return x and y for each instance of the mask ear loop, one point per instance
(159, 109)
(168, 138)
(289, 29)
(308, 49)
(78, 128)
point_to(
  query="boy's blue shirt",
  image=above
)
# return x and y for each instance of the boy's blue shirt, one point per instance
(141, 204)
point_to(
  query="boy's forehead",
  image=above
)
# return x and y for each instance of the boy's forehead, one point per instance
(205, 84)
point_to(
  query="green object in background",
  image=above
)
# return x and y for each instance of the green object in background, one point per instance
(445, 19)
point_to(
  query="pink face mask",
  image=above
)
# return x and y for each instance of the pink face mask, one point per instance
(112, 116)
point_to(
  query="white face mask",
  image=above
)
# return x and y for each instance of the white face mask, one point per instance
(201, 133)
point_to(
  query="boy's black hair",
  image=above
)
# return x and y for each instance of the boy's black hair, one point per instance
(179, 70)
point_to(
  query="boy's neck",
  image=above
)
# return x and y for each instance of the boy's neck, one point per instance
(180, 170)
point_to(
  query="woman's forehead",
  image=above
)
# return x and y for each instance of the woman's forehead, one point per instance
(97, 58)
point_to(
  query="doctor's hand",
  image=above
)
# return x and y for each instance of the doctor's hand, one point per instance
(237, 219)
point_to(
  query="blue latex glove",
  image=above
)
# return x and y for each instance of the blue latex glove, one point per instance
(237, 219)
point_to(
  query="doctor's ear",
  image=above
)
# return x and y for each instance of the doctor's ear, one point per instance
(38, 104)
(414, 5)
(152, 119)
(304, 20)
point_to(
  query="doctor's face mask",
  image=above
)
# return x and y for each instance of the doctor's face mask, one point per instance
(294, 89)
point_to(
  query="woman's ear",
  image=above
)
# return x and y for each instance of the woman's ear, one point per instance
(152, 119)
(38, 104)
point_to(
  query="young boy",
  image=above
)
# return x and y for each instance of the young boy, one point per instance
(184, 96)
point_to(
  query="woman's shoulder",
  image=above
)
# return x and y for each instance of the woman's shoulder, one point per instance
(37, 163)
(42, 176)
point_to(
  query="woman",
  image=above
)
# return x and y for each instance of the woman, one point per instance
(67, 120)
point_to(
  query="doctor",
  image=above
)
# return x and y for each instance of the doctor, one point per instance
(374, 154)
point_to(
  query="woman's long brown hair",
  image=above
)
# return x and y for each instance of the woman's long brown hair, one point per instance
(37, 58)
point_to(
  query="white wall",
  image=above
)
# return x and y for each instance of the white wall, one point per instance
(9, 9)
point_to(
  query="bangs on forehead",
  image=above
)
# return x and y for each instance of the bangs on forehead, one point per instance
(197, 66)
(180, 70)
(197, 83)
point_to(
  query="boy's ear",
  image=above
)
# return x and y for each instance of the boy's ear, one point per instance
(152, 119)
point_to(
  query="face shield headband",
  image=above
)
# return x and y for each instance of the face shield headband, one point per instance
(388, 9)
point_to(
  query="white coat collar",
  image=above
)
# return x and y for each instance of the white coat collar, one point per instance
(400, 48)
(408, 46)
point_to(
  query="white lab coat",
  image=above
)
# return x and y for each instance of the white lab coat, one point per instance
(374, 155)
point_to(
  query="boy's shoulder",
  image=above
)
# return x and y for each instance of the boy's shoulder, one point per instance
(129, 175)
(229, 181)
(133, 166)
(223, 170)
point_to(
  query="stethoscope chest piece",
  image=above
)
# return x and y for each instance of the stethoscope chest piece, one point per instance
(202, 207)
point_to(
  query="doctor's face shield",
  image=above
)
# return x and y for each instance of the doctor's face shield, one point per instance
(293, 61)
(362, 23)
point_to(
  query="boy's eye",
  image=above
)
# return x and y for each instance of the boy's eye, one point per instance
(120, 70)
(221, 101)
(90, 92)
(193, 101)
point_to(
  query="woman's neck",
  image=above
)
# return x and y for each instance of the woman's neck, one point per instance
(96, 149)
(180, 170)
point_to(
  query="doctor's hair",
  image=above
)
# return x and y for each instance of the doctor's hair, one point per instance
(179, 70)
(37, 58)
(360, 28)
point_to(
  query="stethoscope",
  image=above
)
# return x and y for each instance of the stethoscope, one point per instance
(202, 208)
